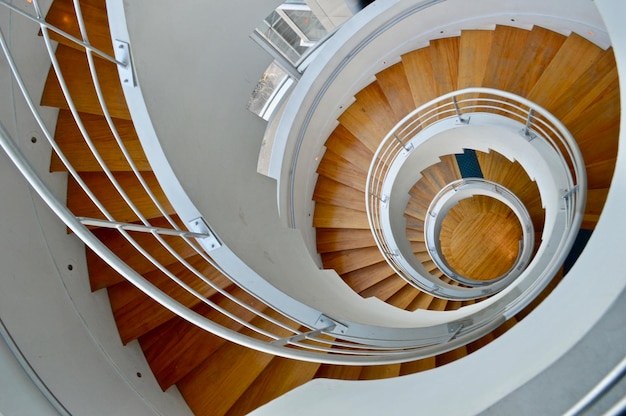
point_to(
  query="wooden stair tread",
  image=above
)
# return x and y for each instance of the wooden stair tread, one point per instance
(474, 49)
(227, 374)
(384, 289)
(63, 16)
(370, 117)
(342, 142)
(136, 313)
(504, 55)
(419, 74)
(595, 202)
(336, 239)
(330, 192)
(422, 301)
(331, 216)
(176, 347)
(102, 275)
(340, 170)
(571, 104)
(75, 70)
(279, 377)
(403, 297)
(571, 61)
(444, 56)
(73, 145)
(540, 48)
(80, 204)
(396, 88)
(450, 356)
(339, 372)
(375, 372)
(365, 277)
(413, 367)
(349, 260)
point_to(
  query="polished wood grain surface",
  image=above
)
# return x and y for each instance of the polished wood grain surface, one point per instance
(485, 243)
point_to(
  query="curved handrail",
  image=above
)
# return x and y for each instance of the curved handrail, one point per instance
(449, 196)
(538, 124)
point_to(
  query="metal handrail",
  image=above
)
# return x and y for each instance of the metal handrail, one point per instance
(538, 124)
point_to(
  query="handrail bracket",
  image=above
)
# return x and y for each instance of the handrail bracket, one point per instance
(122, 54)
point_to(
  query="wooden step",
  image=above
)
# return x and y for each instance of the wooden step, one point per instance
(592, 85)
(331, 216)
(474, 49)
(339, 372)
(336, 239)
(601, 119)
(403, 297)
(370, 117)
(365, 277)
(595, 202)
(419, 74)
(396, 88)
(385, 289)
(279, 377)
(330, 192)
(63, 16)
(342, 142)
(102, 275)
(175, 348)
(413, 367)
(80, 204)
(504, 56)
(226, 374)
(444, 58)
(136, 313)
(422, 301)
(540, 48)
(340, 170)
(75, 70)
(450, 356)
(573, 59)
(375, 372)
(349, 260)
(73, 145)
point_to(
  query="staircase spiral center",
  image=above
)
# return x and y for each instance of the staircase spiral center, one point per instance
(480, 238)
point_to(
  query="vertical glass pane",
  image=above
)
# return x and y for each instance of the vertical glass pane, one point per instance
(308, 24)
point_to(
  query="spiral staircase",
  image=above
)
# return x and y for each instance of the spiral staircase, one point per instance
(569, 76)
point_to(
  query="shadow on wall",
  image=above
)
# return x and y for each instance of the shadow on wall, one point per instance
(357, 5)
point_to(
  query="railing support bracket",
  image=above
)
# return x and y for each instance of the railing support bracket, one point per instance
(200, 226)
(324, 323)
(122, 54)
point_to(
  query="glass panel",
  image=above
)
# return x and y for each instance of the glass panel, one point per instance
(308, 24)
(265, 90)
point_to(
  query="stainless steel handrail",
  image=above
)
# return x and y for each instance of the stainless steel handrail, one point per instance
(540, 125)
